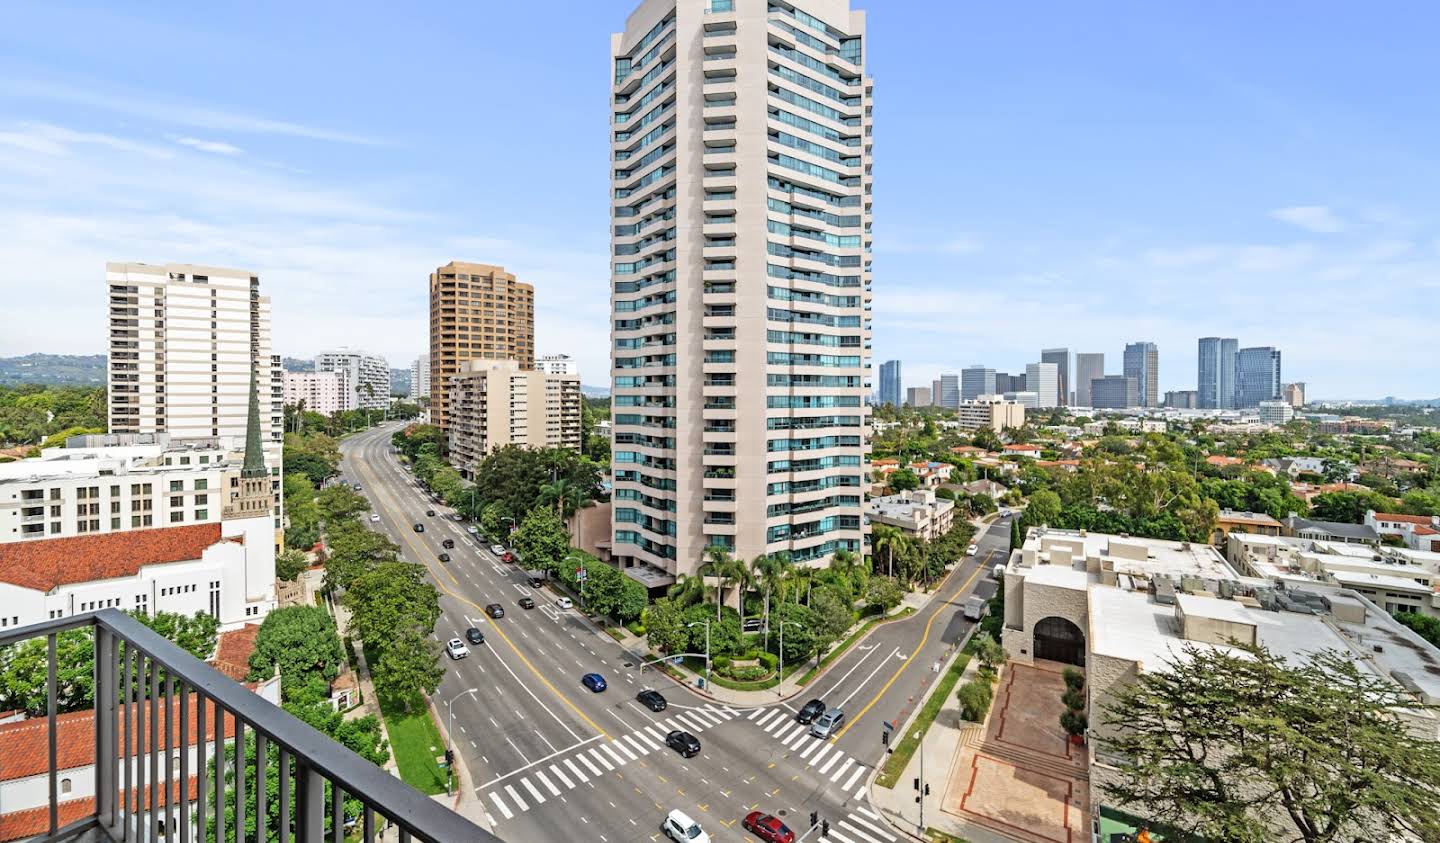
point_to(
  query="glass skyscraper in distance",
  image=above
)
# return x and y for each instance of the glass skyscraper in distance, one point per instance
(1257, 376)
(1142, 362)
(1215, 385)
(890, 390)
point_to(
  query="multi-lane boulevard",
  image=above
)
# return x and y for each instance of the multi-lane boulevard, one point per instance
(550, 760)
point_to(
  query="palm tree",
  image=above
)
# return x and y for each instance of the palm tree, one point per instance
(802, 575)
(568, 498)
(770, 569)
(743, 579)
(847, 564)
(720, 565)
(890, 540)
(687, 590)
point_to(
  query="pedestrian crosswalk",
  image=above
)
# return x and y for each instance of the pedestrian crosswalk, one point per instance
(821, 757)
(557, 775)
(863, 825)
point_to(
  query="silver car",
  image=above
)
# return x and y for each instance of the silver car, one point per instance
(828, 723)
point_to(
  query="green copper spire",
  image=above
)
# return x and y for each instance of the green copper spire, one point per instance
(254, 455)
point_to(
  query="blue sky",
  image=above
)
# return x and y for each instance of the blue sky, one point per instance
(1073, 174)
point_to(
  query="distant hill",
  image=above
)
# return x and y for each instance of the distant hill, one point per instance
(54, 369)
(297, 364)
(595, 391)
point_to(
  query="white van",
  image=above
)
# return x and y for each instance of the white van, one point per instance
(976, 607)
(680, 828)
(999, 572)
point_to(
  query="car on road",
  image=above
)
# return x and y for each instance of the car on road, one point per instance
(498, 550)
(809, 711)
(652, 700)
(357, 487)
(828, 723)
(474, 636)
(419, 528)
(564, 603)
(456, 649)
(1004, 513)
(594, 681)
(680, 828)
(508, 556)
(767, 828)
(457, 517)
(448, 544)
(971, 550)
(684, 743)
(473, 530)
(430, 512)
(495, 610)
(374, 517)
(444, 557)
(527, 602)
(976, 607)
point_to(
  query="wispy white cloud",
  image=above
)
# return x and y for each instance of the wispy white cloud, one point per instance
(964, 244)
(52, 140)
(217, 147)
(1317, 218)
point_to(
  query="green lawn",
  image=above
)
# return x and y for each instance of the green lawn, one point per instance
(412, 736)
(895, 764)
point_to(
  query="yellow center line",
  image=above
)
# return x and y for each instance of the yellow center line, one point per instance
(420, 551)
(933, 615)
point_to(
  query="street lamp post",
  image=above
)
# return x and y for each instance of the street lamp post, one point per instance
(707, 648)
(779, 687)
(581, 576)
(449, 750)
(921, 749)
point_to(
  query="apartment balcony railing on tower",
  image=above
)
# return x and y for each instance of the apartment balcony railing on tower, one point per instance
(177, 745)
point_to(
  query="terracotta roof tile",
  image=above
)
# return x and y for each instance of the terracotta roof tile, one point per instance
(1422, 520)
(232, 653)
(19, 825)
(44, 564)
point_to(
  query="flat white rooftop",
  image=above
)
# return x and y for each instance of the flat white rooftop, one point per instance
(1175, 559)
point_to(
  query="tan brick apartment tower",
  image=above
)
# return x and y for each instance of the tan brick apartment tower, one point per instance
(476, 311)
(740, 294)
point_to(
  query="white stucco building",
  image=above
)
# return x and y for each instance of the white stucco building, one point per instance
(325, 393)
(367, 378)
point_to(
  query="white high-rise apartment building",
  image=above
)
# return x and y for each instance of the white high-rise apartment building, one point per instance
(741, 186)
(322, 392)
(420, 378)
(1043, 379)
(369, 377)
(183, 342)
(557, 364)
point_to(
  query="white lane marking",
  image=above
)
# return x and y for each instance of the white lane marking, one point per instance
(517, 750)
(604, 762)
(555, 791)
(560, 774)
(492, 651)
(539, 797)
(868, 677)
(579, 773)
(872, 828)
(627, 726)
(834, 756)
(495, 797)
(755, 711)
(510, 789)
(857, 831)
(620, 760)
(869, 651)
(811, 747)
(841, 771)
(543, 738)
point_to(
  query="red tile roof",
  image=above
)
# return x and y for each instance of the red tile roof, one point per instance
(44, 564)
(1422, 520)
(19, 825)
(232, 653)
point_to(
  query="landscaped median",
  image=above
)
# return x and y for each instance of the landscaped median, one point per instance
(415, 741)
(896, 762)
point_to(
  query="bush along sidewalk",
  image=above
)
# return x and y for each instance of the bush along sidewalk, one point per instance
(1074, 720)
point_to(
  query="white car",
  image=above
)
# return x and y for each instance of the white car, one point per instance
(564, 603)
(472, 529)
(970, 551)
(374, 517)
(680, 828)
(498, 550)
(456, 648)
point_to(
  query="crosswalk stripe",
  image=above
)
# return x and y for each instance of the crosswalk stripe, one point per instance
(560, 774)
(813, 745)
(534, 791)
(579, 773)
(837, 836)
(510, 789)
(779, 724)
(705, 716)
(616, 745)
(768, 716)
(657, 732)
(853, 776)
(867, 812)
(872, 827)
(834, 756)
(857, 831)
(673, 724)
(859, 791)
(691, 723)
(555, 791)
(800, 734)
(824, 748)
(754, 712)
(598, 756)
(643, 739)
(630, 741)
(619, 759)
(841, 771)
(499, 803)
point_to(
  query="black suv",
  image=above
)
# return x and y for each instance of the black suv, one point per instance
(448, 544)
(444, 557)
(684, 743)
(419, 528)
(527, 602)
(810, 711)
(474, 636)
(430, 512)
(651, 700)
(495, 610)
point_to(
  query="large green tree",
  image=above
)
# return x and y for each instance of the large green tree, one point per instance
(541, 540)
(302, 641)
(409, 667)
(354, 550)
(1227, 743)
(392, 599)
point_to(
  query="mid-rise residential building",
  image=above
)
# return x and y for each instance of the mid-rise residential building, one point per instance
(1043, 379)
(1061, 358)
(975, 381)
(495, 403)
(420, 378)
(1397, 580)
(738, 408)
(1329, 531)
(918, 396)
(1257, 376)
(185, 341)
(1215, 381)
(557, 364)
(1114, 392)
(1088, 367)
(1182, 399)
(917, 513)
(367, 376)
(1294, 393)
(990, 411)
(1233, 521)
(1142, 362)
(1276, 412)
(890, 382)
(477, 311)
(326, 393)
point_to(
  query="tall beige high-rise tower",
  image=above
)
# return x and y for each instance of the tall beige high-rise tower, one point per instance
(476, 311)
(740, 290)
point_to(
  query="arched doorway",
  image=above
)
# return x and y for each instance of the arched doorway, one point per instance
(1059, 640)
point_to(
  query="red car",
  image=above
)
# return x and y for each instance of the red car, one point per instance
(768, 828)
(508, 557)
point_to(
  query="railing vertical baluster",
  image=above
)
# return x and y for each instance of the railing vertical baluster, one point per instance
(262, 775)
(369, 831)
(155, 783)
(167, 804)
(404, 836)
(309, 803)
(127, 749)
(142, 681)
(337, 813)
(184, 784)
(105, 713)
(241, 773)
(219, 772)
(201, 773)
(284, 828)
(51, 703)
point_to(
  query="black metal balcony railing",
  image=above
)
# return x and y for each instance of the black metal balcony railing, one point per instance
(145, 689)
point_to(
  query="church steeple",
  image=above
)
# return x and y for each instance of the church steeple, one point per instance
(254, 454)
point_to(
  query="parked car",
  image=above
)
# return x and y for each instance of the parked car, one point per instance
(448, 544)
(828, 723)
(419, 528)
(430, 512)
(498, 550)
(508, 556)
(681, 829)
(768, 828)
(374, 516)
(473, 530)
(976, 607)
(527, 602)
(999, 572)
(564, 603)
(971, 550)
(652, 700)
(495, 610)
(444, 557)
(357, 487)
(474, 636)
(684, 743)
(456, 517)
(809, 711)
(594, 681)
(456, 649)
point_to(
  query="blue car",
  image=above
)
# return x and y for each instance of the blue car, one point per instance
(594, 681)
